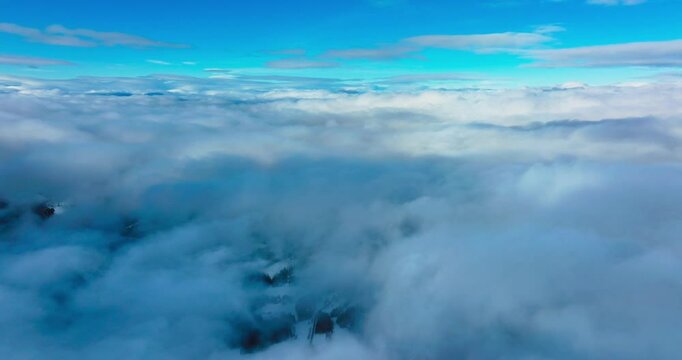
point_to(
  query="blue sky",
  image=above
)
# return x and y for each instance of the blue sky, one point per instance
(512, 41)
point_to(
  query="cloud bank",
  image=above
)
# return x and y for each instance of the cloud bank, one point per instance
(181, 218)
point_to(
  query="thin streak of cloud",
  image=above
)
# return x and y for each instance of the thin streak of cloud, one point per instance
(480, 43)
(650, 54)
(300, 64)
(299, 52)
(616, 2)
(63, 36)
(385, 53)
(217, 70)
(30, 61)
(158, 62)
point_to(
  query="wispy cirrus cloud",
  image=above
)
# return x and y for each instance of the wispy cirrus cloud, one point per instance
(296, 63)
(44, 37)
(63, 36)
(386, 3)
(616, 2)
(299, 52)
(30, 61)
(218, 70)
(650, 54)
(515, 3)
(480, 43)
(382, 53)
(158, 62)
(432, 77)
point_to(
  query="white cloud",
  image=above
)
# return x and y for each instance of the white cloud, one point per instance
(512, 223)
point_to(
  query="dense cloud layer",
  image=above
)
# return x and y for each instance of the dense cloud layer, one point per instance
(174, 219)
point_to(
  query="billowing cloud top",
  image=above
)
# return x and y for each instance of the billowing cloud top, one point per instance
(182, 218)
